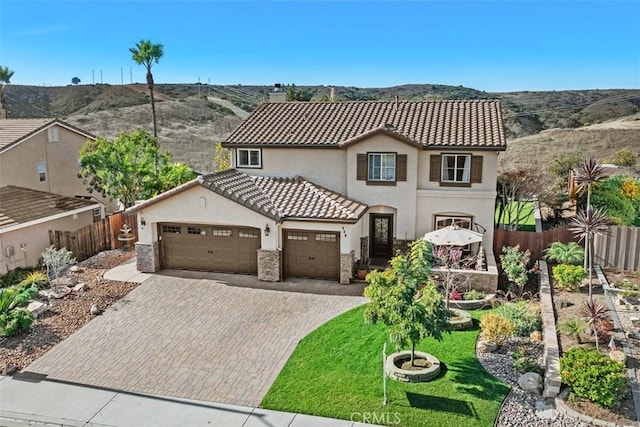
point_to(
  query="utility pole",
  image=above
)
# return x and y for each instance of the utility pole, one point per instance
(101, 81)
(121, 77)
(130, 75)
(93, 76)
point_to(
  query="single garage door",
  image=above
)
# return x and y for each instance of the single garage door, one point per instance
(210, 248)
(312, 254)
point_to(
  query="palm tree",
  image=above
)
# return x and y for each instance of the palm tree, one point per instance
(569, 253)
(146, 53)
(589, 172)
(585, 225)
(5, 77)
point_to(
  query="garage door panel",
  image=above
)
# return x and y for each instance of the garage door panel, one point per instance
(210, 248)
(312, 254)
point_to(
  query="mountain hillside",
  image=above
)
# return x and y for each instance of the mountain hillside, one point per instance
(193, 117)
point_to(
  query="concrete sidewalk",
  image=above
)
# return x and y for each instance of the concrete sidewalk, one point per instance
(26, 399)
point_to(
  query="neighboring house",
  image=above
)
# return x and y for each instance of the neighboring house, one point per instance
(315, 186)
(43, 154)
(27, 215)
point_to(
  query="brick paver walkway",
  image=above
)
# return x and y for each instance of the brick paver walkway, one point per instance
(192, 338)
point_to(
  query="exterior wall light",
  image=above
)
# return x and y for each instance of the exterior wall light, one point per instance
(267, 230)
(142, 221)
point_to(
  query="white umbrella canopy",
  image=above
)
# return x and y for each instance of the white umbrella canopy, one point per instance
(453, 235)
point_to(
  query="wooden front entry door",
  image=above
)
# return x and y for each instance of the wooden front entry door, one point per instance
(381, 236)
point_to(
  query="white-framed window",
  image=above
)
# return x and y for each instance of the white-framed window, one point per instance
(461, 221)
(249, 158)
(53, 134)
(42, 171)
(456, 168)
(382, 167)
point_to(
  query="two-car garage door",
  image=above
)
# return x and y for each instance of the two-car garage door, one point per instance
(210, 248)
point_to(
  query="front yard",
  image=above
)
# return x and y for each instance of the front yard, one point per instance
(336, 371)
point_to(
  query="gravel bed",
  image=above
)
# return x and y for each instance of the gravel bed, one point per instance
(518, 409)
(65, 316)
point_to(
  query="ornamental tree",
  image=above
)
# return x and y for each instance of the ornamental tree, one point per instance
(404, 298)
(123, 168)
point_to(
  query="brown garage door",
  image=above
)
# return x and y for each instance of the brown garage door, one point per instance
(210, 248)
(312, 254)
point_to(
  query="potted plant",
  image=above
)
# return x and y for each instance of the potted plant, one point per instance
(362, 268)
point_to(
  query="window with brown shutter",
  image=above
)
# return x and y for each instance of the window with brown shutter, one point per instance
(362, 167)
(434, 167)
(401, 167)
(476, 169)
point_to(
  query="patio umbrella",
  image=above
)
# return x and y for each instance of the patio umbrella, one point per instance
(453, 235)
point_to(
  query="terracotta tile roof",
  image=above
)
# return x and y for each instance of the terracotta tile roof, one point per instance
(12, 131)
(21, 205)
(284, 198)
(430, 124)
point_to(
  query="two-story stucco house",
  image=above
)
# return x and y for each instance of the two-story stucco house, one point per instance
(315, 186)
(43, 155)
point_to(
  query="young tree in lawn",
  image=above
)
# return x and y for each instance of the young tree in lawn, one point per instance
(5, 78)
(123, 168)
(585, 225)
(404, 298)
(146, 53)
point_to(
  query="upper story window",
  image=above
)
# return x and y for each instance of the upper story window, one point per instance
(42, 171)
(248, 158)
(455, 170)
(381, 168)
(53, 134)
(443, 221)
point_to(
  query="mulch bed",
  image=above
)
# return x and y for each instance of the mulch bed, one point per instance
(67, 315)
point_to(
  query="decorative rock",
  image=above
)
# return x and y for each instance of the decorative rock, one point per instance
(79, 287)
(536, 336)
(486, 347)
(55, 293)
(9, 369)
(531, 382)
(36, 307)
(95, 309)
(75, 269)
(630, 335)
(635, 322)
(618, 356)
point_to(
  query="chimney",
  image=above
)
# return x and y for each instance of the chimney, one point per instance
(332, 94)
(277, 94)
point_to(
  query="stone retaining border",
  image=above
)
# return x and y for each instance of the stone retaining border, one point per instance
(551, 359)
(474, 304)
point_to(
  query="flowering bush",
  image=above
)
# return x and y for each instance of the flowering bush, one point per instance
(514, 263)
(454, 296)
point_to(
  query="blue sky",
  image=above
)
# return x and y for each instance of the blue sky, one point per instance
(492, 46)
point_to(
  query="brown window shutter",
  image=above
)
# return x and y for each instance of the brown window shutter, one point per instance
(401, 167)
(434, 167)
(476, 169)
(362, 167)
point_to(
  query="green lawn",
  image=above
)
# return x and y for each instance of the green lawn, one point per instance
(336, 371)
(527, 218)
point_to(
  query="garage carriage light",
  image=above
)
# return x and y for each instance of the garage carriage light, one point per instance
(267, 230)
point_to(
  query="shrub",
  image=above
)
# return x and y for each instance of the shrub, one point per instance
(14, 322)
(34, 279)
(524, 318)
(624, 157)
(496, 328)
(569, 276)
(56, 260)
(14, 277)
(594, 376)
(454, 296)
(514, 264)
(574, 328)
(566, 253)
(473, 294)
(527, 364)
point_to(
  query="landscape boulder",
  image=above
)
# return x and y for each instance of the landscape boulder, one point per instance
(36, 307)
(95, 309)
(531, 382)
(486, 347)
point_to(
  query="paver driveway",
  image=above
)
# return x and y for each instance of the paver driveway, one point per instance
(192, 338)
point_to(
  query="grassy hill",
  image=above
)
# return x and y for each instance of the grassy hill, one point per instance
(192, 117)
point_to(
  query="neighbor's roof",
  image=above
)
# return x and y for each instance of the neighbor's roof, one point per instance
(13, 131)
(22, 205)
(274, 197)
(431, 124)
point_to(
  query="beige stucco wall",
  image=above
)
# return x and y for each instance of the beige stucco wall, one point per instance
(19, 165)
(323, 166)
(197, 205)
(36, 239)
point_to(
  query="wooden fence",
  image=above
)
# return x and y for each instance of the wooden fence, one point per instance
(618, 247)
(94, 238)
(535, 242)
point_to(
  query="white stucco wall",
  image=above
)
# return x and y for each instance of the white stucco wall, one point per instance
(36, 238)
(197, 205)
(323, 166)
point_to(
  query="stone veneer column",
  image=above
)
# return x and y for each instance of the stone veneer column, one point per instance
(147, 257)
(269, 265)
(346, 267)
